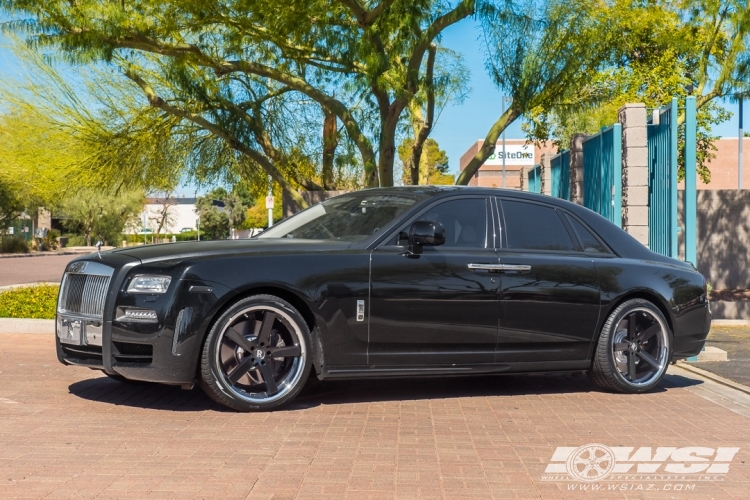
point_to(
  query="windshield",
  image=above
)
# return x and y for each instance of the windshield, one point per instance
(349, 217)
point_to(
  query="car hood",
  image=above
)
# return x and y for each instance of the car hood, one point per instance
(191, 249)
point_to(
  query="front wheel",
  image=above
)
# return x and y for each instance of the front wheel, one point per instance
(634, 348)
(256, 356)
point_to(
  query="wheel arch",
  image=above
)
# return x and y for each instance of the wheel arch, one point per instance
(645, 294)
(294, 298)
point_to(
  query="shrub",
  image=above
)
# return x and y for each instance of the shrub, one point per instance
(190, 236)
(36, 301)
(76, 240)
(49, 242)
(13, 244)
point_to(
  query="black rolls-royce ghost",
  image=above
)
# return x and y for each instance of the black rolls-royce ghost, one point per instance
(413, 281)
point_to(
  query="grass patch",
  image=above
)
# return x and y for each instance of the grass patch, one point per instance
(37, 302)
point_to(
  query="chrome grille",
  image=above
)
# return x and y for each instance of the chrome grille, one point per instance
(85, 294)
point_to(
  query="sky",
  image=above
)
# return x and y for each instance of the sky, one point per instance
(459, 125)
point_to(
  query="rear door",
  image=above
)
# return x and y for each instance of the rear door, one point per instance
(434, 308)
(550, 288)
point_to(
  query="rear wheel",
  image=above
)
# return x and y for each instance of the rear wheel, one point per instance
(634, 348)
(256, 356)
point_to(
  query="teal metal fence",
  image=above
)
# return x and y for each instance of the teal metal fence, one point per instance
(560, 173)
(533, 181)
(691, 200)
(662, 181)
(602, 173)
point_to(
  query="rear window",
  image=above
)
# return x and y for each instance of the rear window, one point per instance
(529, 226)
(588, 240)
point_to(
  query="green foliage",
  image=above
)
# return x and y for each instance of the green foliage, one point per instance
(433, 166)
(13, 244)
(100, 214)
(660, 50)
(216, 221)
(189, 236)
(49, 242)
(37, 302)
(11, 205)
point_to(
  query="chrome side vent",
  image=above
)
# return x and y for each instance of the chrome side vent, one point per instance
(181, 327)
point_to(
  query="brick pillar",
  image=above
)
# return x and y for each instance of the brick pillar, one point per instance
(576, 168)
(546, 174)
(634, 170)
(44, 219)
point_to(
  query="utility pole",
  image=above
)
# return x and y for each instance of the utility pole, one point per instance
(740, 140)
(503, 112)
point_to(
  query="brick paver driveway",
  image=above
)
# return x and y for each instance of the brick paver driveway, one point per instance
(18, 270)
(68, 432)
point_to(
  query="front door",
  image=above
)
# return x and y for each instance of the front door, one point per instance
(434, 309)
(550, 288)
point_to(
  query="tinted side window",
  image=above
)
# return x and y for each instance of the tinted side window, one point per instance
(465, 222)
(534, 227)
(589, 241)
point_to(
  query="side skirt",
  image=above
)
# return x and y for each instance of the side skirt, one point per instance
(352, 372)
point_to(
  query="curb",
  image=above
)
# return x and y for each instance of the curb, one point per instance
(33, 326)
(730, 322)
(712, 376)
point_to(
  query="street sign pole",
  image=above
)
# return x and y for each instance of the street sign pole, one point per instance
(740, 140)
(270, 198)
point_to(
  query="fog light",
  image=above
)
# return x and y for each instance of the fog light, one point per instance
(136, 315)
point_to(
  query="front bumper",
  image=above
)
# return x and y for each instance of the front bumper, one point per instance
(165, 352)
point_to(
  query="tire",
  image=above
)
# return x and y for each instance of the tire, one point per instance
(256, 356)
(632, 360)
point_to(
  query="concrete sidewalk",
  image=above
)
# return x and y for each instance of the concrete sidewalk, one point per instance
(69, 432)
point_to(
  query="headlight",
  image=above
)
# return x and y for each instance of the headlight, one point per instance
(149, 283)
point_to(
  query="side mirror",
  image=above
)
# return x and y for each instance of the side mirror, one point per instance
(425, 233)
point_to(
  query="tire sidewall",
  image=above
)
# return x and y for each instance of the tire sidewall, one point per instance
(212, 380)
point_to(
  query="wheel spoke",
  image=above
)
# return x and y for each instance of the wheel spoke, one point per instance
(264, 337)
(631, 365)
(291, 351)
(271, 387)
(631, 327)
(245, 365)
(648, 359)
(621, 346)
(239, 339)
(649, 332)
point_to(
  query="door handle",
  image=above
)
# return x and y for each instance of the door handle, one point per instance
(515, 268)
(501, 268)
(493, 268)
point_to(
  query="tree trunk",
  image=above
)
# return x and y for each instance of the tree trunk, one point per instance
(330, 142)
(488, 147)
(387, 150)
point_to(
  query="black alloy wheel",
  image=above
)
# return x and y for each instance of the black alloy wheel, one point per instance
(634, 348)
(256, 356)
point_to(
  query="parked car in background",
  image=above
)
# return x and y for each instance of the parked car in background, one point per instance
(393, 282)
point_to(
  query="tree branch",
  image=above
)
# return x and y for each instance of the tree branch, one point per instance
(157, 102)
(426, 128)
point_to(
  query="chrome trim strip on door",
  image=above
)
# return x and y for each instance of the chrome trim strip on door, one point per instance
(487, 267)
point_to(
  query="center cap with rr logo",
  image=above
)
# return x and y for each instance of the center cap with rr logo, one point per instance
(260, 354)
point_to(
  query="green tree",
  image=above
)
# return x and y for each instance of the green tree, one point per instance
(11, 206)
(216, 220)
(433, 166)
(666, 49)
(101, 215)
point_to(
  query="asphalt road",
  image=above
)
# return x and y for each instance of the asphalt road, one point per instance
(20, 270)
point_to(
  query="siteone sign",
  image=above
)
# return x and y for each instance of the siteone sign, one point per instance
(515, 154)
